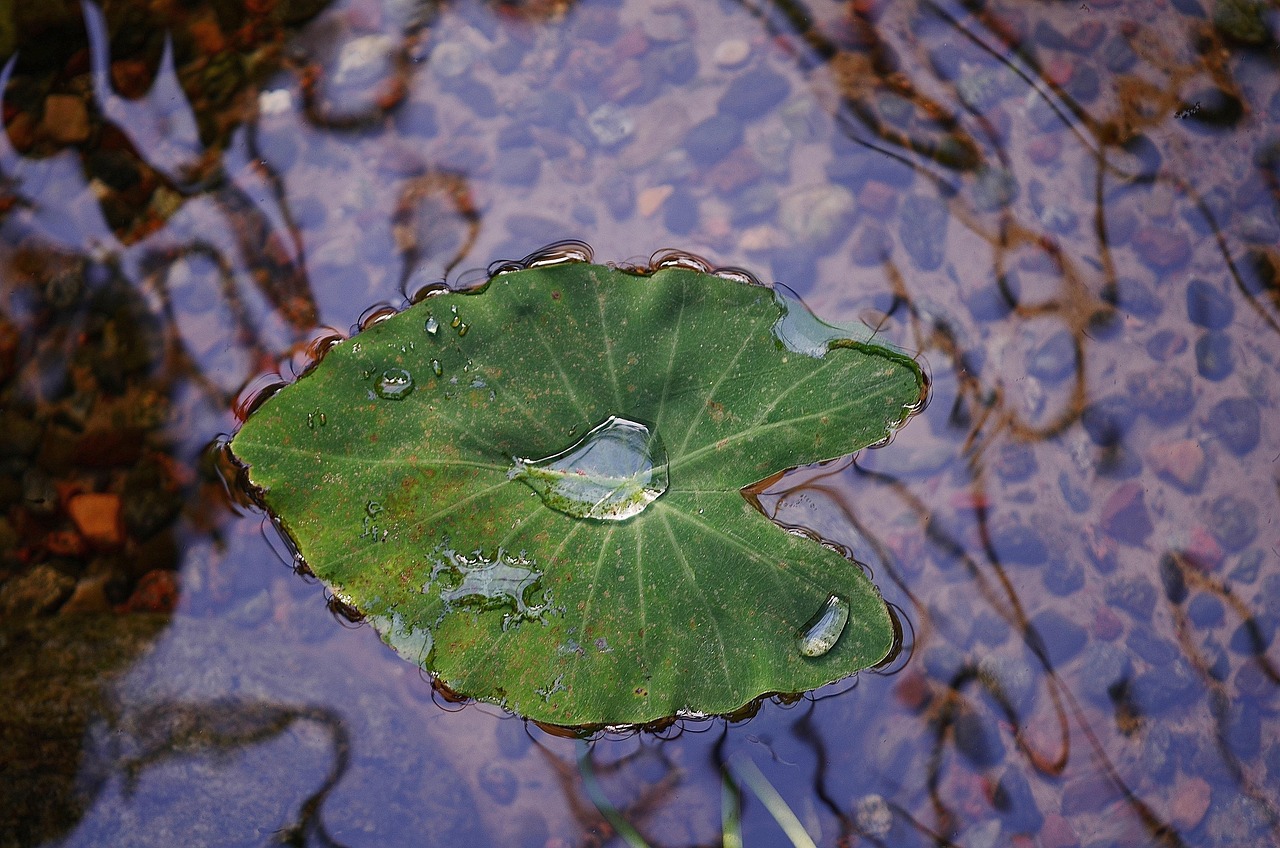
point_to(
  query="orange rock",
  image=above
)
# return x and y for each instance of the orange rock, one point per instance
(66, 118)
(1190, 802)
(651, 199)
(1181, 462)
(97, 517)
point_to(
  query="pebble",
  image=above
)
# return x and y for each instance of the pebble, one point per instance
(1206, 611)
(1208, 307)
(40, 590)
(1055, 359)
(1133, 297)
(1057, 833)
(650, 200)
(713, 139)
(1165, 345)
(1015, 462)
(994, 189)
(1018, 543)
(1135, 596)
(731, 53)
(680, 212)
(1011, 679)
(610, 125)
(1181, 462)
(1214, 359)
(753, 94)
(1236, 423)
(66, 119)
(1159, 689)
(1061, 637)
(449, 59)
(1076, 497)
(871, 246)
(1158, 753)
(1064, 578)
(1152, 649)
(1233, 521)
(1163, 394)
(816, 216)
(1108, 668)
(518, 167)
(1014, 801)
(1124, 515)
(977, 738)
(1107, 626)
(97, 518)
(1163, 250)
(873, 816)
(1190, 803)
(922, 229)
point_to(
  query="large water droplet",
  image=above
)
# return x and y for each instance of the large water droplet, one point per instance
(433, 326)
(394, 384)
(822, 631)
(611, 473)
(801, 331)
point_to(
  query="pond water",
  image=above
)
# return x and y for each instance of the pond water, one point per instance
(1070, 211)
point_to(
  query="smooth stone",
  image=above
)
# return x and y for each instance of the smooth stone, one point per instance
(1010, 679)
(871, 246)
(977, 738)
(1208, 307)
(1159, 689)
(1206, 611)
(1233, 521)
(1061, 638)
(753, 94)
(1172, 579)
(713, 139)
(1136, 596)
(731, 53)
(1108, 668)
(1117, 54)
(1151, 648)
(1014, 801)
(1181, 462)
(1133, 297)
(1076, 497)
(1163, 250)
(518, 167)
(610, 125)
(1214, 359)
(1164, 394)
(1236, 423)
(680, 212)
(1064, 579)
(1015, 463)
(1018, 543)
(1166, 345)
(1124, 515)
(922, 229)
(1055, 359)
(816, 215)
(1159, 754)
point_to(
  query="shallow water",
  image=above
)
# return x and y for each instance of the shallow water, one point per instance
(1069, 211)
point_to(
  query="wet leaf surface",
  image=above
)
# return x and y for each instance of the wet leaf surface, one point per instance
(535, 490)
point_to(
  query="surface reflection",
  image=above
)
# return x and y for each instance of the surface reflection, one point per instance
(1070, 211)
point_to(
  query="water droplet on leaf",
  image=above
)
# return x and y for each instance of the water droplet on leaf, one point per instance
(394, 384)
(801, 331)
(437, 368)
(612, 473)
(822, 631)
(433, 326)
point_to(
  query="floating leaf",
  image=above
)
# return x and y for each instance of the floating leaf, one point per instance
(535, 490)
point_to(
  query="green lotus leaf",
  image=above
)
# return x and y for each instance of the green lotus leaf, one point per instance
(535, 490)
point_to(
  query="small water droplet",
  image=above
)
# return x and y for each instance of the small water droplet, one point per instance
(356, 347)
(820, 633)
(316, 419)
(462, 328)
(394, 384)
(477, 383)
(433, 326)
(372, 508)
(437, 367)
(612, 473)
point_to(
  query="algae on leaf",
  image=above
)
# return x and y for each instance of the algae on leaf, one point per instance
(541, 480)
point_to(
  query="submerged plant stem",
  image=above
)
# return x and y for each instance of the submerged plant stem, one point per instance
(594, 791)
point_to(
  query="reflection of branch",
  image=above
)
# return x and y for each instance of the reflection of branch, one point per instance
(169, 729)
